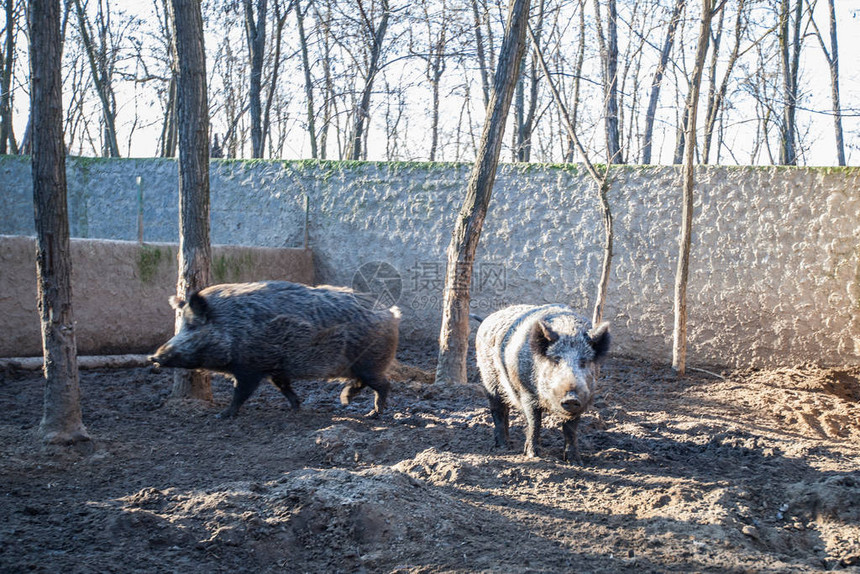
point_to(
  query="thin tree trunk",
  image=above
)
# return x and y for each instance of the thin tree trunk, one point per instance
(834, 85)
(668, 42)
(790, 55)
(328, 95)
(101, 82)
(454, 335)
(482, 60)
(716, 96)
(194, 246)
(434, 118)
(679, 343)
(168, 127)
(577, 75)
(600, 179)
(255, 33)
(832, 57)
(309, 87)
(362, 112)
(61, 417)
(280, 22)
(609, 60)
(6, 83)
(167, 140)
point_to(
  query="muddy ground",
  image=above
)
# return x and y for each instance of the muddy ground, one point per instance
(758, 471)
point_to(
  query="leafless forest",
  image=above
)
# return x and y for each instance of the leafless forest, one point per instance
(393, 80)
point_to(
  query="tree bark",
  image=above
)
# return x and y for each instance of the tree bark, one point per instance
(362, 112)
(679, 344)
(7, 141)
(609, 64)
(309, 87)
(656, 83)
(482, 60)
(255, 33)
(832, 57)
(280, 22)
(717, 95)
(454, 335)
(61, 418)
(167, 140)
(789, 47)
(193, 116)
(101, 82)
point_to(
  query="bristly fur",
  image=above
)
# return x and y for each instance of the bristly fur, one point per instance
(284, 331)
(539, 359)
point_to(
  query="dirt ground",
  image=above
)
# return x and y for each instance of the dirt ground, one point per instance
(739, 471)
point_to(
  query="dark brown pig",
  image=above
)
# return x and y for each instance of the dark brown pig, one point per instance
(284, 331)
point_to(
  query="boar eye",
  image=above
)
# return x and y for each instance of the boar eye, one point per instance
(583, 363)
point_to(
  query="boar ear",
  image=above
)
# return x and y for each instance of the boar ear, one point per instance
(176, 302)
(600, 338)
(198, 305)
(542, 337)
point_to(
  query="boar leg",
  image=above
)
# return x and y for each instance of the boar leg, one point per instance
(378, 383)
(246, 382)
(380, 387)
(532, 414)
(571, 448)
(500, 411)
(349, 391)
(283, 384)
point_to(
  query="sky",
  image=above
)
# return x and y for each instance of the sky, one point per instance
(816, 80)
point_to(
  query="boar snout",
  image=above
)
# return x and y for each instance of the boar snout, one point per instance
(161, 357)
(571, 402)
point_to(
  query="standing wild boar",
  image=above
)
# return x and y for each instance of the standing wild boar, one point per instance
(539, 358)
(284, 331)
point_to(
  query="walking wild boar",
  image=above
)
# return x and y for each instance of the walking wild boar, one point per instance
(284, 331)
(540, 359)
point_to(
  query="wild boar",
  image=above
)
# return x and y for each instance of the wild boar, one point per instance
(284, 331)
(540, 359)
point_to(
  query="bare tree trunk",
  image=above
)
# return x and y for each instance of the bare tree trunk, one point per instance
(526, 113)
(168, 127)
(454, 335)
(436, 65)
(255, 33)
(362, 111)
(679, 344)
(717, 95)
(789, 48)
(309, 87)
(609, 63)
(280, 22)
(577, 75)
(482, 60)
(328, 82)
(194, 246)
(8, 61)
(101, 82)
(167, 140)
(600, 179)
(832, 57)
(668, 42)
(61, 418)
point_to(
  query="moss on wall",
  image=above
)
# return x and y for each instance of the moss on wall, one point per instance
(230, 268)
(149, 257)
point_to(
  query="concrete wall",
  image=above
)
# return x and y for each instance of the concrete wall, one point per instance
(774, 279)
(120, 290)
